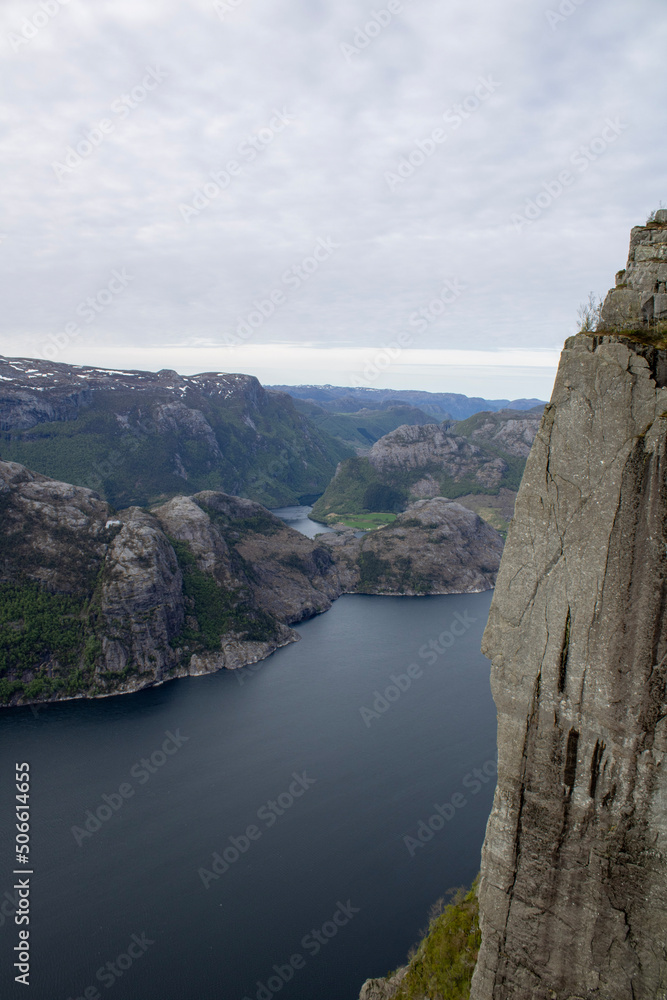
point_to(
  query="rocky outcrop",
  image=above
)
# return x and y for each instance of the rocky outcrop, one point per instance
(140, 608)
(512, 433)
(383, 989)
(410, 448)
(573, 896)
(290, 576)
(639, 300)
(435, 547)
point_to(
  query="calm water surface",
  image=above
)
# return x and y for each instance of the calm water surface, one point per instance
(318, 796)
(297, 517)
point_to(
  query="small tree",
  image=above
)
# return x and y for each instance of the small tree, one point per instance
(653, 214)
(588, 314)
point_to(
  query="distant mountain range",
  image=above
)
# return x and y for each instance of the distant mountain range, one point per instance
(443, 405)
(140, 437)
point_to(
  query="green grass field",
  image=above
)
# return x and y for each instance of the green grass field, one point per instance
(362, 522)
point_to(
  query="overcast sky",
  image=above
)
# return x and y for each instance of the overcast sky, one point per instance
(320, 191)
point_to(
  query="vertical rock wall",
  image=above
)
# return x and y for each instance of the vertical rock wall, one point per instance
(639, 300)
(573, 896)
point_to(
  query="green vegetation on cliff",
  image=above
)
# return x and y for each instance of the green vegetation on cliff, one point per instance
(44, 635)
(443, 964)
(367, 522)
(215, 612)
(358, 488)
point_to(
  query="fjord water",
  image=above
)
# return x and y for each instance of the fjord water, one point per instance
(297, 518)
(131, 893)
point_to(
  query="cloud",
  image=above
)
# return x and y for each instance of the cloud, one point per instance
(353, 119)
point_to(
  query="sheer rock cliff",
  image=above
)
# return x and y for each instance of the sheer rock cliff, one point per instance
(573, 896)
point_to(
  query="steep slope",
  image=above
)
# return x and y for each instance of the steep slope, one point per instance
(138, 437)
(93, 602)
(573, 897)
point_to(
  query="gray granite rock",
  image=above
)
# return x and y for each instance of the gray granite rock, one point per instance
(383, 989)
(435, 547)
(573, 896)
(635, 304)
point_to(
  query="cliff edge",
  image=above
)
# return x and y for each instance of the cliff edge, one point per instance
(573, 895)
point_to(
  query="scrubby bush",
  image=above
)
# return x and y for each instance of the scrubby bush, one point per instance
(588, 314)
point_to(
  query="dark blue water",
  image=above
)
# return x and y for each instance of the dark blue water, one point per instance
(125, 912)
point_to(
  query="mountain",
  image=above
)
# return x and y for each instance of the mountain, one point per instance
(96, 602)
(479, 460)
(138, 437)
(442, 405)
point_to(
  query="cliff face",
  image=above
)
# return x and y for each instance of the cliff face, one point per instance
(639, 300)
(573, 897)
